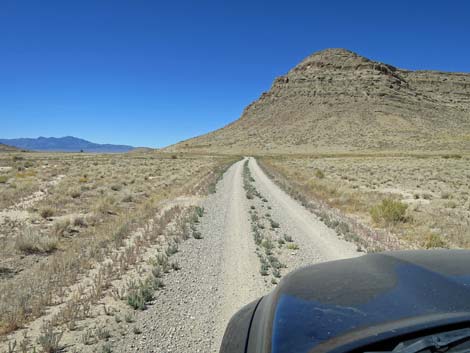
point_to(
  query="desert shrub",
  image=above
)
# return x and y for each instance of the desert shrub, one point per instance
(49, 340)
(116, 187)
(288, 238)
(446, 195)
(292, 246)
(75, 194)
(104, 205)
(3, 179)
(200, 211)
(319, 174)
(139, 294)
(46, 212)
(31, 241)
(106, 348)
(175, 266)
(79, 221)
(450, 204)
(174, 156)
(61, 227)
(389, 212)
(128, 198)
(434, 240)
(264, 269)
(171, 249)
(102, 333)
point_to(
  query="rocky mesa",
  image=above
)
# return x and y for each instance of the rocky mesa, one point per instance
(338, 101)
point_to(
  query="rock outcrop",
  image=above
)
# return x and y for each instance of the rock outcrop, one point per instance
(338, 101)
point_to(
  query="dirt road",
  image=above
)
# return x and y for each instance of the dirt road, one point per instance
(221, 272)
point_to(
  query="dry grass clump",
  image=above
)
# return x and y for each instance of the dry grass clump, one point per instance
(46, 212)
(31, 241)
(434, 240)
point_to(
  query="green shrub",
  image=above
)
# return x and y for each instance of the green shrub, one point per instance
(319, 174)
(140, 294)
(200, 211)
(3, 179)
(292, 246)
(264, 269)
(389, 212)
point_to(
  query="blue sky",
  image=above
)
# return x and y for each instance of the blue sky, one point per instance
(151, 73)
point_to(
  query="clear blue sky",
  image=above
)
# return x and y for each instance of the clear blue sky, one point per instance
(151, 73)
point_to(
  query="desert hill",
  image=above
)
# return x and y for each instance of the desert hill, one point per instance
(6, 148)
(338, 101)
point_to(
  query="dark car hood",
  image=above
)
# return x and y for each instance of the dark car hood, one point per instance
(318, 308)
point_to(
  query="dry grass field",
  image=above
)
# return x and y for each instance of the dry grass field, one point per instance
(76, 229)
(421, 201)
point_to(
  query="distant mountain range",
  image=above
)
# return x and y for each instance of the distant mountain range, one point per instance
(64, 144)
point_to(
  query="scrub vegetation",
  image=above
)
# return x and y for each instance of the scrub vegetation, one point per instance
(401, 201)
(83, 232)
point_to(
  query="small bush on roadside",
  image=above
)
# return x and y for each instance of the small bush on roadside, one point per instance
(175, 266)
(139, 294)
(3, 179)
(264, 269)
(49, 340)
(171, 250)
(200, 211)
(276, 273)
(106, 348)
(292, 246)
(389, 212)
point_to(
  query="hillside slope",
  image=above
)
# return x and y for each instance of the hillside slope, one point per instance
(338, 101)
(7, 148)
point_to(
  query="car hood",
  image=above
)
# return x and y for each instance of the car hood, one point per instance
(337, 305)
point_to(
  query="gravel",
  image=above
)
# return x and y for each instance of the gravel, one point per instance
(220, 272)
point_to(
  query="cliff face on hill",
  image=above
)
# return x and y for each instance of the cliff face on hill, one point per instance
(338, 101)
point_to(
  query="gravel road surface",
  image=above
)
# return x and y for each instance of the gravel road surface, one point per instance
(221, 272)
